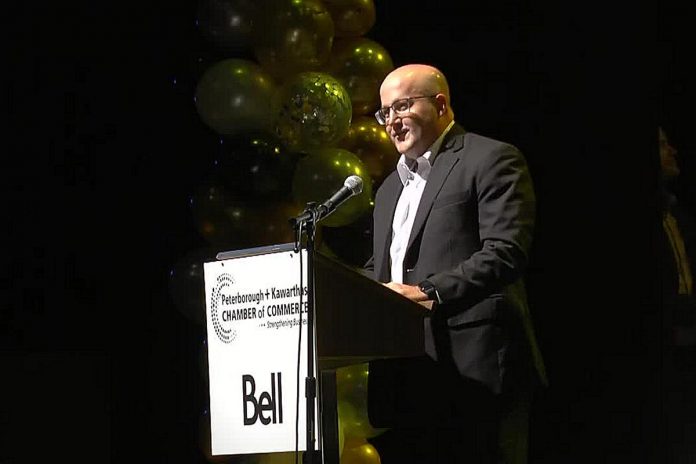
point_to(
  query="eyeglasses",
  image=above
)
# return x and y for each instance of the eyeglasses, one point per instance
(400, 106)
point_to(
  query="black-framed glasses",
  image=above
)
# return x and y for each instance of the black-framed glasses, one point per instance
(400, 106)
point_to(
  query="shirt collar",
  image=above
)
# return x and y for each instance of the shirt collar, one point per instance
(424, 162)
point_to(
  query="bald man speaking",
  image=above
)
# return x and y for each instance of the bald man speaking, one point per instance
(453, 226)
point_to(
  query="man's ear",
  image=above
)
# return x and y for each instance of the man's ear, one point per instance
(442, 103)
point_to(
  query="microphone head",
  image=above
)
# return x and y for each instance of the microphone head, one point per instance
(354, 183)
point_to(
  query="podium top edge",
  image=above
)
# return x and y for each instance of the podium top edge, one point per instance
(262, 250)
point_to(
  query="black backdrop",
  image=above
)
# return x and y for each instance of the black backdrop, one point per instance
(104, 150)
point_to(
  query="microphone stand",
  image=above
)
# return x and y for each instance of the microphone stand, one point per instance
(308, 221)
(309, 225)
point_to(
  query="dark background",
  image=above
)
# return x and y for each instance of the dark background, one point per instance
(104, 150)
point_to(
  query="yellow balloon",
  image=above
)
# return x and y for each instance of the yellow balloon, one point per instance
(351, 381)
(352, 18)
(355, 422)
(361, 65)
(319, 174)
(341, 438)
(370, 142)
(235, 96)
(362, 453)
(351, 391)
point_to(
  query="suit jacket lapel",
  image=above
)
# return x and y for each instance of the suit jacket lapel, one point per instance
(442, 165)
(383, 225)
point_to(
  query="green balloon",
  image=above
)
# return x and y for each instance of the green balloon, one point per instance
(319, 174)
(235, 96)
(314, 111)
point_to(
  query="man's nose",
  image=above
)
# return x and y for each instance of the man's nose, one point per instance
(392, 117)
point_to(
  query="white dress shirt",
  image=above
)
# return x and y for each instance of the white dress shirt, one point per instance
(405, 214)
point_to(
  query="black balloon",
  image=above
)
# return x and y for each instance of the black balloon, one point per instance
(351, 244)
(204, 443)
(255, 167)
(228, 24)
(186, 284)
(352, 18)
(230, 221)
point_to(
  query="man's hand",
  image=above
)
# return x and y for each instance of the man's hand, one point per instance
(412, 292)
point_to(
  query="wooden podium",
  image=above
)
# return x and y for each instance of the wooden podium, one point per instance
(359, 319)
(356, 320)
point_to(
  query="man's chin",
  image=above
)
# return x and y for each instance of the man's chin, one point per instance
(403, 147)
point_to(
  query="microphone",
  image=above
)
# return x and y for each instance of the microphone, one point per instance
(353, 185)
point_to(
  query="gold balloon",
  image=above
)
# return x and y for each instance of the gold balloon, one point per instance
(235, 96)
(352, 18)
(314, 110)
(370, 142)
(360, 453)
(361, 65)
(321, 173)
(293, 36)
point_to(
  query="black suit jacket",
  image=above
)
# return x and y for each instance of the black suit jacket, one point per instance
(471, 238)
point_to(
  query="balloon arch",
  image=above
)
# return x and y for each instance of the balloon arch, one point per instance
(292, 102)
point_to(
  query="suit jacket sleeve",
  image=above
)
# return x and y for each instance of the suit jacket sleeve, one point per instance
(506, 209)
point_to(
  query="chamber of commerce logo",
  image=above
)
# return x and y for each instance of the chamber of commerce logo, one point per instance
(226, 335)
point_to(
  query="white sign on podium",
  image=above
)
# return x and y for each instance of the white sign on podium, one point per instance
(254, 305)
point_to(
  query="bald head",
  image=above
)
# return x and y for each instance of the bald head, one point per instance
(418, 125)
(418, 78)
